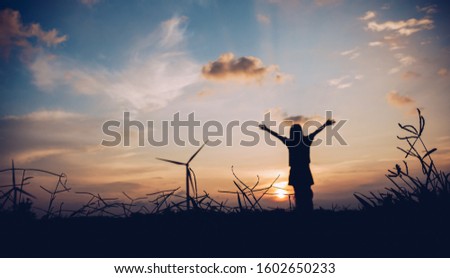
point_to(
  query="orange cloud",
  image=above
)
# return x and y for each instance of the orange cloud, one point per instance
(442, 72)
(13, 33)
(398, 100)
(410, 75)
(247, 68)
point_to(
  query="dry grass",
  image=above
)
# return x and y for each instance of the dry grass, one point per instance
(430, 190)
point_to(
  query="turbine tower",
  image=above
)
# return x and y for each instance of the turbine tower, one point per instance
(188, 173)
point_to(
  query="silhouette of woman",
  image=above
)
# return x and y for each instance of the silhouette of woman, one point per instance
(300, 176)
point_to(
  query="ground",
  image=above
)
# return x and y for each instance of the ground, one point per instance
(352, 233)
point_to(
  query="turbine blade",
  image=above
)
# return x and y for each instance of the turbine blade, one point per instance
(171, 161)
(193, 184)
(193, 156)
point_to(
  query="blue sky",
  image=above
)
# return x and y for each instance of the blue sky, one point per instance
(68, 66)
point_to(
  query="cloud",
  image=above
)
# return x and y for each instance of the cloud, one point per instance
(247, 68)
(376, 43)
(430, 9)
(279, 115)
(37, 154)
(345, 81)
(44, 133)
(171, 32)
(264, 19)
(368, 15)
(386, 6)
(442, 72)
(47, 71)
(15, 34)
(45, 115)
(340, 82)
(394, 42)
(298, 119)
(404, 60)
(407, 75)
(396, 99)
(394, 70)
(344, 85)
(281, 78)
(148, 81)
(62, 141)
(352, 53)
(402, 27)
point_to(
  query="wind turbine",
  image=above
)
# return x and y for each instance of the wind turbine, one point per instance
(188, 173)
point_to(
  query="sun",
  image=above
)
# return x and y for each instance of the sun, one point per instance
(281, 193)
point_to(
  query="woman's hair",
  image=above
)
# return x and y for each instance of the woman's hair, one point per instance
(295, 132)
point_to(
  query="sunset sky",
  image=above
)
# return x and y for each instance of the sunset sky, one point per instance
(68, 66)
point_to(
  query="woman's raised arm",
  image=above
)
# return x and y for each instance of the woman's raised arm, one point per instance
(281, 138)
(327, 123)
